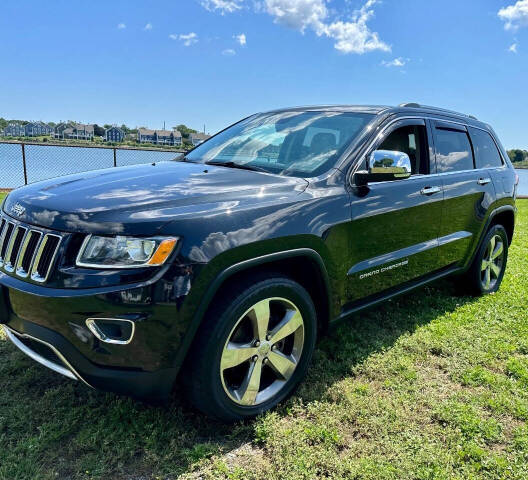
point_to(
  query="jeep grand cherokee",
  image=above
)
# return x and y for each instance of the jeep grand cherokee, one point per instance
(221, 268)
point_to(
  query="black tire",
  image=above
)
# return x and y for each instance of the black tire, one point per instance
(203, 379)
(474, 279)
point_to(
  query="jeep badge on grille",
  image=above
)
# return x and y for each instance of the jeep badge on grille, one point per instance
(18, 210)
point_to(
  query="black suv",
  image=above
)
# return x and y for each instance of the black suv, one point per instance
(221, 268)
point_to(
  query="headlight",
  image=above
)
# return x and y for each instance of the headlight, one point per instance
(124, 252)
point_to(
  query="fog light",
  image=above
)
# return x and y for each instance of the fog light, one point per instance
(117, 331)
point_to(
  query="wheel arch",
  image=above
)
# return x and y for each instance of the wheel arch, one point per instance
(505, 216)
(303, 265)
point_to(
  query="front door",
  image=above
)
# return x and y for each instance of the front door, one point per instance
(395, 224)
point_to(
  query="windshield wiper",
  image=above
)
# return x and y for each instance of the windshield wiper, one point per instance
(236, 165)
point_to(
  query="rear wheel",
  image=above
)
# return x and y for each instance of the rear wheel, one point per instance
(487, 271)
(253, 350)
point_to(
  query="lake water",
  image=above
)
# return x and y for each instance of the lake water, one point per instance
(522, 189)
(45, 162)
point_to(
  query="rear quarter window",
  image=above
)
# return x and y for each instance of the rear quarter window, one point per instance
(453, 150)
(486, 153)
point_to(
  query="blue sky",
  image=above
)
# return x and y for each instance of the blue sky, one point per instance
(184, 61)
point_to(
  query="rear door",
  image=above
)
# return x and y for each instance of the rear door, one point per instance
(395, 224)
(468, 191)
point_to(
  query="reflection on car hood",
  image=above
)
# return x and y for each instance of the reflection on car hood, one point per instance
(138, 199)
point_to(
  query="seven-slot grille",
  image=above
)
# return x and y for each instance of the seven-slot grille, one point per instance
(25, 251)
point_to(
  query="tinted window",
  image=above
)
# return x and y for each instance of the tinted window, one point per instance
(486, 153)
(453, 151)
(412, 141)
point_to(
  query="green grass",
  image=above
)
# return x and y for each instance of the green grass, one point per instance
(2, 196)
(433, 385)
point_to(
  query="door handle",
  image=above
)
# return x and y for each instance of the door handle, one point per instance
(484, 181)
(430, 190)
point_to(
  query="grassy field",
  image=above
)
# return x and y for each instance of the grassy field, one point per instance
(433, 385)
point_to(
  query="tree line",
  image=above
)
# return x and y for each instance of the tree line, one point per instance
(100, 130)
(517, 156)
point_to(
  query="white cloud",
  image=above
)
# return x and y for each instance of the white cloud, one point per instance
(148, 26)
(188, 39)
(513, 48)
(223, 6)
(297, 14)
(229, 52)
(352, 36)
(241, 39)
(514, 16)
(121, 26)
(397, 62)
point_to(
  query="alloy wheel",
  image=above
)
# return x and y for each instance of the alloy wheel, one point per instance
(262, 351)
(492, 263)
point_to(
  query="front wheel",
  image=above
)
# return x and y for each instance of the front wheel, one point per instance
(253, 350)
(487, 271)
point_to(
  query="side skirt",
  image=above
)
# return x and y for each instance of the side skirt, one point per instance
(374, 300)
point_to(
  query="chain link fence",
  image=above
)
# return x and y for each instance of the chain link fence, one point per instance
(23, 163)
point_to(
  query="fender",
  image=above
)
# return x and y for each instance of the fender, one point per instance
(478, 244)
(224, 275)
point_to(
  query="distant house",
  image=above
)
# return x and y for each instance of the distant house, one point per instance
(14, 130)
(197, 138)
(37, 129)
(177, 137)
(59, 130)
(146, 136)
(114, 134)
(76, 131)
(159, 137)
(165, 137)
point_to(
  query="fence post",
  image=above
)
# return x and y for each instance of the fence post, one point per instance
(24, 163)
(115, 157)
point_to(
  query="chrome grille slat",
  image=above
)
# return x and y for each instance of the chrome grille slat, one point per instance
(8, 243)
(8, 230)
(3, 229)
(17, 238)
(27, 252)
(40, 273)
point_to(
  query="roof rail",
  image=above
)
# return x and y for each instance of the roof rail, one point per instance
(438, 109)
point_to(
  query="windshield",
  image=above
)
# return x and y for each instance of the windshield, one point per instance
(301, 144)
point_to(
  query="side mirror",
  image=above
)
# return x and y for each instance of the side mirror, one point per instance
(384, 165)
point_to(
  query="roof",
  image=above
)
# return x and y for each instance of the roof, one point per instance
(163, 133)
(160, 133)
(200, 136)
(146, 131)
(379, 109)
(115, 127)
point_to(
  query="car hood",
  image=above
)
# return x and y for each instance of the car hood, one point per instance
(141, 199)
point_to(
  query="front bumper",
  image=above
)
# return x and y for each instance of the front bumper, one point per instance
(54, 352)
(53, 331)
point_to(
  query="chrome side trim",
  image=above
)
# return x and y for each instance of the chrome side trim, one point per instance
(91, 323)
(67, 370)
